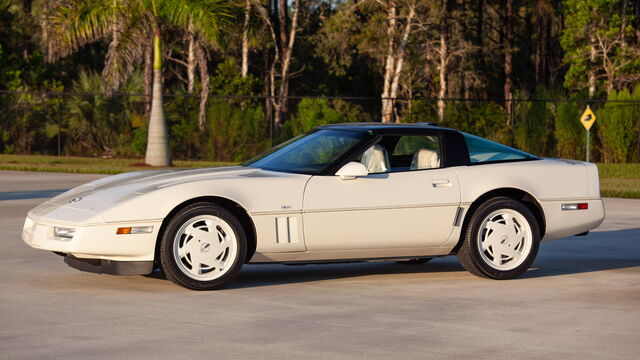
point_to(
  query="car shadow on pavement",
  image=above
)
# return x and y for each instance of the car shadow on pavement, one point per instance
(256, 275)
(598, 251)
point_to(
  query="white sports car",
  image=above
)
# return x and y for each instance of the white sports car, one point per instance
(347, 192)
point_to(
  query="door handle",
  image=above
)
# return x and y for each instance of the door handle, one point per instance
(441, 183)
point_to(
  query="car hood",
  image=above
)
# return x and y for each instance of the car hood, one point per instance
(142, 182)
(104, 193)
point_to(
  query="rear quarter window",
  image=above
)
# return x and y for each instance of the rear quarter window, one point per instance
(484, 151)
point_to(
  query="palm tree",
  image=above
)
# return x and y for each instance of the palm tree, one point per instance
(129, 25)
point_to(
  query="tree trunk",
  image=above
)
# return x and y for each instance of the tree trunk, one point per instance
(623, 23)
(591, 71)
(191, 63)
(387, 102)
(44, 25)
(273, 108)
(443, 54)
(480, 23)
(508, 64)
(282, 23)
(539, 45)
(268, 105)
(442, 90)
(610, 79)
(395, 84)
(287, 43)
(26, 7)
(157, 138)
(636, 25)
(114, 27)
(245, 39)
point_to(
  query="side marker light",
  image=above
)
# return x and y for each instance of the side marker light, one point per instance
(578, 206)
(134, 230)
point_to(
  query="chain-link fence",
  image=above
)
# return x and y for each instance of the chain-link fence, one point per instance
(238, 127)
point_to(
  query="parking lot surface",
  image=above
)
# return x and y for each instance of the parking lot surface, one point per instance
(580, 300)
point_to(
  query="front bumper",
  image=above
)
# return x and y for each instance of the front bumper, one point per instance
(101, 266)
(95, 241)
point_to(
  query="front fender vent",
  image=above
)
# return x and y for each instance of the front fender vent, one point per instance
(287, 230)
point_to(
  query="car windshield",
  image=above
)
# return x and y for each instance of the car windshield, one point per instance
(310, 153)
(483, 150)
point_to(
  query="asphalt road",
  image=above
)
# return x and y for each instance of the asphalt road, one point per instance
(580, 300)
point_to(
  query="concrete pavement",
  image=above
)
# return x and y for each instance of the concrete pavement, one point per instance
(580, 300)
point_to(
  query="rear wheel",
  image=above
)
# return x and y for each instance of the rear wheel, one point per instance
(501, 240)
(203, 247)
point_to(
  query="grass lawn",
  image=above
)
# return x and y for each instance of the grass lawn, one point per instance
(616, 180)
(620, 180)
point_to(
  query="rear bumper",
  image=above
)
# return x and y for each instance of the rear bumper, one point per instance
(563, 223)
(101, 266)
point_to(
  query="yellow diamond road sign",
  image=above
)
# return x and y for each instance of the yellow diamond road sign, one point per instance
(588, 118)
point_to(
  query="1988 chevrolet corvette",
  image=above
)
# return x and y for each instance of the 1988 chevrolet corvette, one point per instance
(346, 192)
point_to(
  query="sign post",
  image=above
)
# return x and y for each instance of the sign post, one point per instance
(587, 119)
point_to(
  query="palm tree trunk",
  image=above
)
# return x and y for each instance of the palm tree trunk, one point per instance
(157, 137)
(148, 75)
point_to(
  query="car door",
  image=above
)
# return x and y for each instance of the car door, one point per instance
(403, 207)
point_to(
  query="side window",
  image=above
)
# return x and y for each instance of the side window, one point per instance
(483, 150)
(409, 145)
(395, 153)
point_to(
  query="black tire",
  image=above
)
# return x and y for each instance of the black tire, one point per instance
(478, 261)
(418, 261)
(179, 273)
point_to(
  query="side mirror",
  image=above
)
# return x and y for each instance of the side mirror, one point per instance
(352, 170)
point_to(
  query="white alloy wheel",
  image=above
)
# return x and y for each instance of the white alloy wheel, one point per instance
(504, 239)
(500, 240)
(205, 247)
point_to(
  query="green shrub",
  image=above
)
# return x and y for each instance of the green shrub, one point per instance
(617, 123)
(568, 131)
(236, 133)
(534, 122)
(485, 119)
(315, 112)
(235, 128)
(421, 111)
(98, 124)
(185, 137)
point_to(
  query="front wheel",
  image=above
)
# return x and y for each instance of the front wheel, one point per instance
(203, 247)
(501, 240)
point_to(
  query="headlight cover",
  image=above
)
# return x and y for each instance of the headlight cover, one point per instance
(65, 233)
